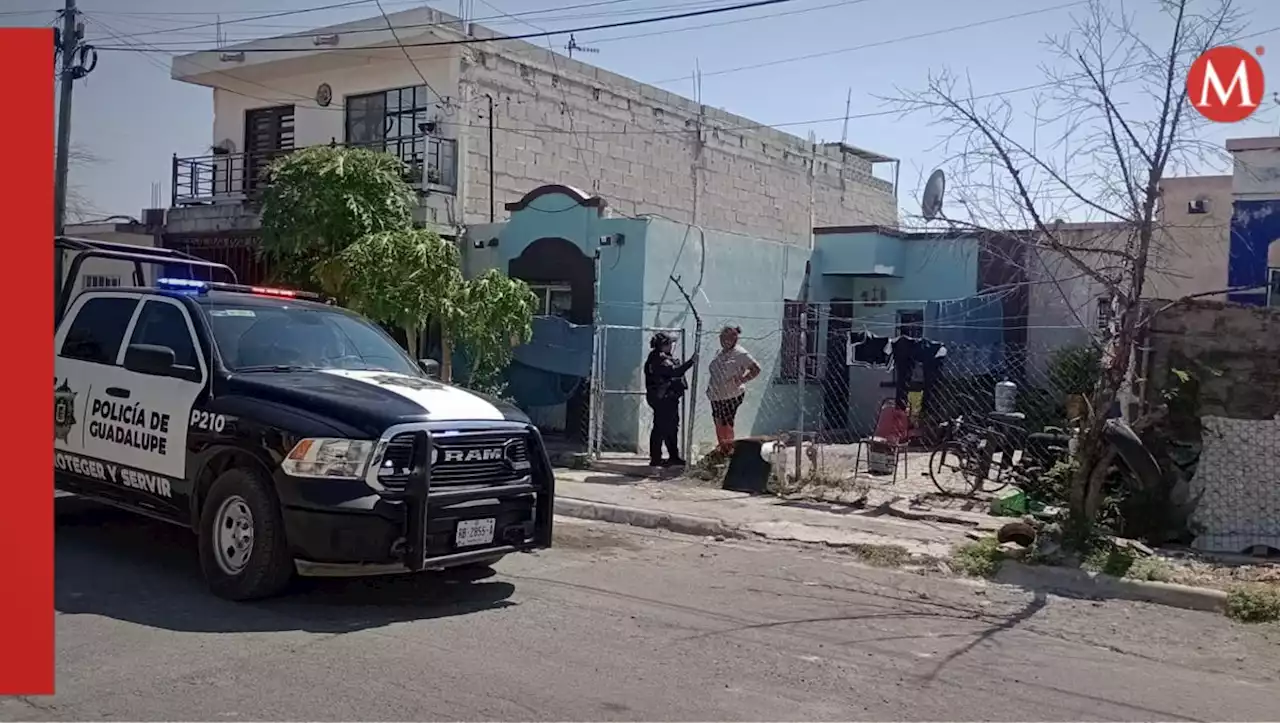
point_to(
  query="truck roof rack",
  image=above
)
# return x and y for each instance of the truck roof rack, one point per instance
(86, 249)
(197, 286)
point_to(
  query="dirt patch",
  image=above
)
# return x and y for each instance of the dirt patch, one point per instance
(579, 535)
(1201, 572)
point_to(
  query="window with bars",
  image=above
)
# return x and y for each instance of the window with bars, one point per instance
(400, 121)
(793, 354)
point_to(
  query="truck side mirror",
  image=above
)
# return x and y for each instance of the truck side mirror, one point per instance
(149, 359)
(430, 367)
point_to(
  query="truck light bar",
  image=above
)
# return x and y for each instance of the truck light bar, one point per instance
(203, 287)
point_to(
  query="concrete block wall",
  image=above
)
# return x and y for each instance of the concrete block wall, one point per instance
(561, 121)
(1232, 349)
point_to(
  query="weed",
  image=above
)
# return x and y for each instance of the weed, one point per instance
(882, 555)
(981, 558)
(1254, 603)
(1115, 560)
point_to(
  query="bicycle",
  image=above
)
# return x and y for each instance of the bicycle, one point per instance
(974, 447)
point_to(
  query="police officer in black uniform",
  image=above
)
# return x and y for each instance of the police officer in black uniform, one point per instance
(664, 387)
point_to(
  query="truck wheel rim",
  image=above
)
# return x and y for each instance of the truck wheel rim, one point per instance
(233, 533)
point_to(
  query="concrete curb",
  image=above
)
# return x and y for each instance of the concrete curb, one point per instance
(1080, 583)
(903, 509)
(636, 471)
(652, 519)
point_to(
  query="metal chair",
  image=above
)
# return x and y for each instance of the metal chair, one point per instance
(891, 438)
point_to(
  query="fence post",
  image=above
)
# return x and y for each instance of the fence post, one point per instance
(595, 394)
(800, 375)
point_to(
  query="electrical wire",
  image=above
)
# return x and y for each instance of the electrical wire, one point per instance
(680, 131)
(404, 50)
(878, 43)
(501, 38)
(515, 17)
(577, 142)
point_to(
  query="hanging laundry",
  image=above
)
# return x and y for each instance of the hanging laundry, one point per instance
(908, 353)
(869, 350)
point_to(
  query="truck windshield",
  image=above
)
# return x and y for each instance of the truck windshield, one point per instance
(264, 337)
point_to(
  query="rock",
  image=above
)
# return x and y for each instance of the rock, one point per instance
(1012, 550)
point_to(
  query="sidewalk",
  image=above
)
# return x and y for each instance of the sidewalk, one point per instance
(711, 511)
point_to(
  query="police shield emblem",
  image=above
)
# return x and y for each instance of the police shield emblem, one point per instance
(64, 410)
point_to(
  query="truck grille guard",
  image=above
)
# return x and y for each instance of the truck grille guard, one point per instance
(419, 497)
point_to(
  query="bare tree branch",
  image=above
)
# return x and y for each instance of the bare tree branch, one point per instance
(1091, 198)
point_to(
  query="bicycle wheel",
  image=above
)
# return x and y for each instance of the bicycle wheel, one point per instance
(952, 469)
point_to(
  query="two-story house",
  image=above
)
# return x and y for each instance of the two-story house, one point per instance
(481, 120)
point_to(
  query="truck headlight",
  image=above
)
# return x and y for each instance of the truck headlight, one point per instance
(328, 458)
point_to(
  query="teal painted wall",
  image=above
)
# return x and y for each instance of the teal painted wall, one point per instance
(622, 276)
(736, 280)
(932, 269)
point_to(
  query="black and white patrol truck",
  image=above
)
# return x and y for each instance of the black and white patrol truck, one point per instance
(291, 435)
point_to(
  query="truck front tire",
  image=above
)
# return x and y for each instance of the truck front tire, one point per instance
(243, 550)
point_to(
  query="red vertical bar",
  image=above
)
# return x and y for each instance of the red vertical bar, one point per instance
(26, 504)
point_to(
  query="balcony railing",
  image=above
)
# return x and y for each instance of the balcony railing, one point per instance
(229, 177)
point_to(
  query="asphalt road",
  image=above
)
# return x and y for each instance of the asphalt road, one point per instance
(622, 624)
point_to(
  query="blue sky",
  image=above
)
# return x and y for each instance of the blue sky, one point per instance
(131, 116)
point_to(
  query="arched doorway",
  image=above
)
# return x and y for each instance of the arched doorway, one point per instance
(564, 279)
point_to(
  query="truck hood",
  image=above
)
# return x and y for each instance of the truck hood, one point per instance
(373, 400)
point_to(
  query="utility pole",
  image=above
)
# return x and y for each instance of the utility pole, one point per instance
(77, 61)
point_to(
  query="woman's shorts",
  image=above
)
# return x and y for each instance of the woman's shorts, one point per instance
(724, 411)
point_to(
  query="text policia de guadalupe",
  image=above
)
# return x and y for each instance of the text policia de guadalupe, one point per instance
(129, 425)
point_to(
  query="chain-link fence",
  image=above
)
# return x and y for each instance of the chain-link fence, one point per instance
(877, 407)
(620, 418)
(1212, 369)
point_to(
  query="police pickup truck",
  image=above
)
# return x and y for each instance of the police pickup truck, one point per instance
(292, 436)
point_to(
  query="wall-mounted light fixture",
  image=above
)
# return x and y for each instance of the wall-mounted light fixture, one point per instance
(237, 57)
(330, 39)
(481, 243)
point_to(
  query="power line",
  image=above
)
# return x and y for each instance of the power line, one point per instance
(268, 16)
(513, 16)
(407, 57)
(876, 44)
(679, 131)
(520, 36)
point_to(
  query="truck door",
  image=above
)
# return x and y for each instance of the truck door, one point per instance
(86, 368)
(154, 453)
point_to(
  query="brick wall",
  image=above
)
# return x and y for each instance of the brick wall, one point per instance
(638, 147)
(1241, 345)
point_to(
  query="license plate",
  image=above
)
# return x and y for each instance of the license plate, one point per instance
(474, 532)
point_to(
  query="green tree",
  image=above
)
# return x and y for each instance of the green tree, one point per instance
(320, 200)
(341, 220)
(405, 278)
(497, 317)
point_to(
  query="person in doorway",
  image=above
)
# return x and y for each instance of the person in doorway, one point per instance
(664, 387)
(730, 372)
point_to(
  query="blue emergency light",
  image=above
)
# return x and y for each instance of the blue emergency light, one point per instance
(203, 287)
(183, 284)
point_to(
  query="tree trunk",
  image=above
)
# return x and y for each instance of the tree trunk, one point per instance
(413, 339)
(1086, 487)
(446, 356)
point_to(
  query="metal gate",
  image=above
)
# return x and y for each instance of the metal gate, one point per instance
(619, 415)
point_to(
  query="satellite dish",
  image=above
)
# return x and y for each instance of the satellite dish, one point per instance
(931, 199)
(224, 146)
